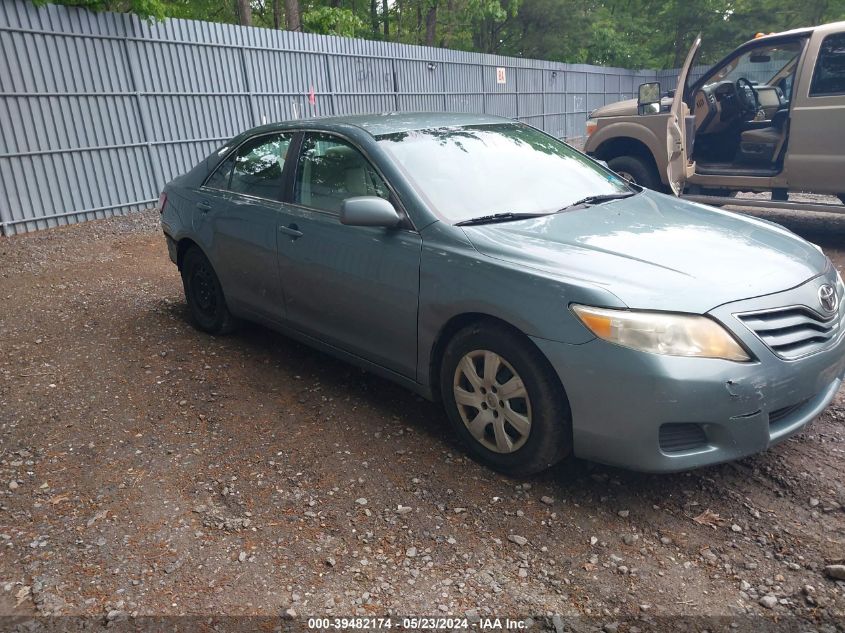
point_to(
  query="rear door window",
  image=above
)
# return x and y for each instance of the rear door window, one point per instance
(829, 75)
(255, 169)
(258, 166)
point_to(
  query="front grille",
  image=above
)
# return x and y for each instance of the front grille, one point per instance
(779, 414)
(678, 437)
(792, 332)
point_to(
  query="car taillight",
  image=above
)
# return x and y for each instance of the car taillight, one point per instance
(592, 124)
(162, 200)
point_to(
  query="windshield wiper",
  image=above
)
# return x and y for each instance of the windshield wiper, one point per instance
(509, 216)
(499, 217)
(590, 200)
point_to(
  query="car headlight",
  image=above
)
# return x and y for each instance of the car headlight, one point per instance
(662, 332)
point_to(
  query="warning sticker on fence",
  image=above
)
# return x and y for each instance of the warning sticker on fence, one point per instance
(501, 77)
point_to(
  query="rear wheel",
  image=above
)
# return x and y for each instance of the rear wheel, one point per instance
(204, 294)
(636, 170)
(504, 400)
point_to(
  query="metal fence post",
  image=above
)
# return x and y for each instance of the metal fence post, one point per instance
(565, 100)
(248, 86)
(143, 115)
(330, 83)
(442, 67)
(395, 83)
(483, 90)
(543, 100)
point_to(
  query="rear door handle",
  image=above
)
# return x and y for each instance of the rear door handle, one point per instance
(292, 230)
(204, 206)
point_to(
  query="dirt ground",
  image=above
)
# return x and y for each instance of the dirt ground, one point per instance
(149, 469)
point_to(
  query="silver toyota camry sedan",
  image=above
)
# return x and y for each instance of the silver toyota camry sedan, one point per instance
(552, 307)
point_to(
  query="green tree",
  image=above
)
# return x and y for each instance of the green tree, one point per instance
(148, 9)
(625, 33)
(333, 21)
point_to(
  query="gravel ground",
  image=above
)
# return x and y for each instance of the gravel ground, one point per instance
(148, 469)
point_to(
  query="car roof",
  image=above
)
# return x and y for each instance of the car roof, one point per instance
(829, 27)
(390, 122)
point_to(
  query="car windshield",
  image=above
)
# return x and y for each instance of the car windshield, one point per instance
(470, 171)
(760, 65)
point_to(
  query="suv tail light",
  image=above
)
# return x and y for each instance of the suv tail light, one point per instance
(162, 200)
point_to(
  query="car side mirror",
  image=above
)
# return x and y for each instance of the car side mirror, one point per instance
(369, 211)
(648, 98)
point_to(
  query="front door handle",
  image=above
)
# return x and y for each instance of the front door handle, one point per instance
(204, 206)
(292, 230)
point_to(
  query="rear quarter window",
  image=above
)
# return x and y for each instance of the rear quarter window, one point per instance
(220, 178)
(829, 74)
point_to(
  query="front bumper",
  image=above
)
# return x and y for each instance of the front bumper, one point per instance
(621, 398)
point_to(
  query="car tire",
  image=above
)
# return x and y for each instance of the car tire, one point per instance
(492, 414)
(637, 170)
(204, 294)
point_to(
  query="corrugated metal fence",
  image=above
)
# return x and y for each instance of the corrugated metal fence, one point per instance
(98, 111)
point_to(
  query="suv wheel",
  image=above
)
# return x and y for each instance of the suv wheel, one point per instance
(505, 401)
(636, 170)
(204, 294)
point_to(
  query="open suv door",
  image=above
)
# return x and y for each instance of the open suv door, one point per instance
(676, 141)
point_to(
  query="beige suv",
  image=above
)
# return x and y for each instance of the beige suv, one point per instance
(768, 117)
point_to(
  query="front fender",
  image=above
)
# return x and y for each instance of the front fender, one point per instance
(648, 130)
(457, 280)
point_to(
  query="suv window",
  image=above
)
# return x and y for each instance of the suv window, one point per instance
(829, 76)
(258, 165)
(330, 170)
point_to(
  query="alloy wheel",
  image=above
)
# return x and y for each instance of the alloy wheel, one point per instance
(492, 401)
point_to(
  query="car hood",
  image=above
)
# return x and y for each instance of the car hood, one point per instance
(628, 107)
(657, 252)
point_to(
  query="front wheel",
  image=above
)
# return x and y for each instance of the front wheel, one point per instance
(636, 170)
(205, 295)
(505, 401)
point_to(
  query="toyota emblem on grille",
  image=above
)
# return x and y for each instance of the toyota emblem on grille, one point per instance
(828, 298)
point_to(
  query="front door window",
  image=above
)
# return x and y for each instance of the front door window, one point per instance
(330, 170)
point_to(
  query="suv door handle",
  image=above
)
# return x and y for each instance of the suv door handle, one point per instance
(204, 206)
(292, 230)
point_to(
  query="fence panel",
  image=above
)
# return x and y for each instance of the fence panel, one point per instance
(99, 111)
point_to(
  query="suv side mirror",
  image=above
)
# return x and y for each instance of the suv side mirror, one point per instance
(369, 211)
(648, 98)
